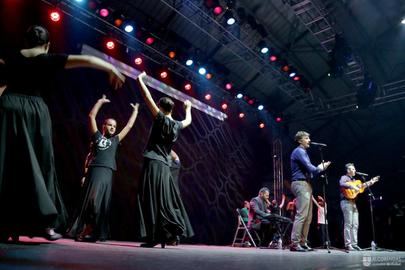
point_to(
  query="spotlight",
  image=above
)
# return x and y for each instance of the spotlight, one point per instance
(261, 125)
(208, 76)
(292, 74)
(239, 95)
(260, 107)
(228, 86)
(202, 71)
(172, 54)
(150, 40)
(138, 61)
(207, 97)
(273, 58)
(79, 1)
(285, 68)
(263, 47)
(403, 21)
(224, 106)
(187, 86)
(163, 74)
(279, 119)
(55, 16)
(230, 19)
(241, 115)
(128, 28)
(104, 12)
(251, 101)
(118, 22)
(110, 44)
(218, 10)
(189, 62)
(296, 78)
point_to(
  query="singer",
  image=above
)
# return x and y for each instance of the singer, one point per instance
(302, 171)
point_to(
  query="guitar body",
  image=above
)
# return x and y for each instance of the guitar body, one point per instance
(352, 193)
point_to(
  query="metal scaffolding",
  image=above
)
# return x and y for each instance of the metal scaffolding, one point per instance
(278, 177)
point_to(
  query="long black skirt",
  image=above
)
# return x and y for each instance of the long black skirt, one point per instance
(95, 204)
(161, 212)
(30, 199)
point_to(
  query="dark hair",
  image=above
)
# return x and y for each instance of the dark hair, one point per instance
(36, 36)
(166, 104)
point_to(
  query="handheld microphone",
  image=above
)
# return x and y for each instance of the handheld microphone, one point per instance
(361, 174)
(319, 144)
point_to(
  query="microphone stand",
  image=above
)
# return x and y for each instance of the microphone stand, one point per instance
(324, 184)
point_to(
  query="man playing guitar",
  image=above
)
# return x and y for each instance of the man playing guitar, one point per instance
(350, 189)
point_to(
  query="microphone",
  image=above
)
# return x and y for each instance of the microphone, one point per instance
(361, 174)
(319, 144)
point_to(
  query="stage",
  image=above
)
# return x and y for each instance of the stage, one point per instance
(66, 254)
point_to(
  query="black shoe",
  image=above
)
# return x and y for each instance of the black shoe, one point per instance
(86, 238)
(308, 248)
(152, 244)
(356, 247)
(350, 248)
(297, 247)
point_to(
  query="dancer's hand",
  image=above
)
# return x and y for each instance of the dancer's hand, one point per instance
(103, 100)
(135, 107)
(116, 78)
(187, 104)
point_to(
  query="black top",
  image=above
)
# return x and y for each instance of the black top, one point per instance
(32, 76)
(163, 135)
(103, 151)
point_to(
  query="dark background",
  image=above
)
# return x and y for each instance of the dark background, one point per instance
(224, 163)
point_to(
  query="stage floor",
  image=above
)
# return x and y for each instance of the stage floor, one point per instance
(64, 254)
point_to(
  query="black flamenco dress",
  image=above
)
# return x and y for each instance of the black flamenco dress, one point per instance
(161, 213)
(96, 193)
(30, 200)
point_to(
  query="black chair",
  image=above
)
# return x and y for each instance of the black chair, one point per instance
(245, 231)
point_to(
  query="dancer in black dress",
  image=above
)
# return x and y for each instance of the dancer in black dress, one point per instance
(92, 222)
(162, 216)
(30, 200)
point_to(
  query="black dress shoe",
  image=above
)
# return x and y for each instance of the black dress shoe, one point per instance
(308, 248)
(152, 244)
(297, 247)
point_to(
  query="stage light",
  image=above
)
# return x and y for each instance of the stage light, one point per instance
(207, 97)
(202, 71)
(261, 125)
(403, 21)
(251, 101)
(172, 54)
(241, 115)
(163, 74)
(263, 47)
(292, 74)
(273, 58)
(79, 1)
(118, 22)
(138, 61)
(224, 106)
(218, 10)
(228, 86)
(110, 45)
(285, 68)
(264, 50)
(128, 28)
(260, 107)
(189, 62)
(208, 76)
(239, 95)
(279, 119)
(296, 78)
(55, 16)
(150, 40)
(187, 86)
(104, 12)
(230, 19)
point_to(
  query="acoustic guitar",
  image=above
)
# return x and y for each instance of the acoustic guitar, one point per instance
(351, 194)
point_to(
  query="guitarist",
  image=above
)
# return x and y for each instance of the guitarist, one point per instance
(349, 209)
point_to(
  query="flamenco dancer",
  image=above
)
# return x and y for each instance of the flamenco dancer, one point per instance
(162, 216)
(30, 200)
(92, 222)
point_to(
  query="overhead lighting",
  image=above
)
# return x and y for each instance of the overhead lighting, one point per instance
(228, 86)
(230, 19)
(292, 74)
(202, 71)
(241, 115)
(239, 95)
(218, 10)
(403, 21)
(260, 107)
(189, 62)
(263, 47)
(128, 28)
(110, 45)
(187, 86)
(207, 97)
(273, 58)
(261, 125)
(163, 74)
(104, 12)
(138, 61)
(224, 106)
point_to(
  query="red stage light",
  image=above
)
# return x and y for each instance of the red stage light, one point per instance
(279, 119)
(218, 10)
(163, 74)
(207, 97)
(296, 78)
(224, 106)
(118, 22)
(138, 61)
(187, 86)
(208, 76)
(104, 12)
(251, 101)
(261, 125)
(150, 40)
(55, 16)
(172, 54)
(285, 68)
(110, 44)
(241, 115)
(228, 86)
(273, 58)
